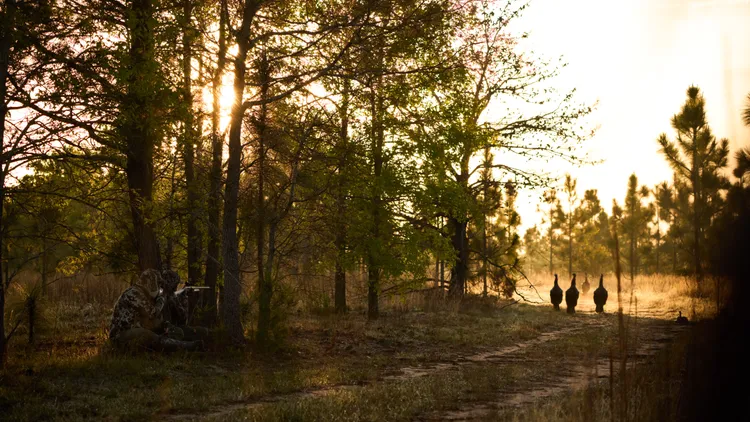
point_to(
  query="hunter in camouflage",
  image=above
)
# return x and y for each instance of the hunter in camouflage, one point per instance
(138, 320)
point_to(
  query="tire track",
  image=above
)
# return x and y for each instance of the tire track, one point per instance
(650, 342)
(503, 355)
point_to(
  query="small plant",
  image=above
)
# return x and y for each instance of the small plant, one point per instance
(28, 311)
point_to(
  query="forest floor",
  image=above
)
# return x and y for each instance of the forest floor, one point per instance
(477, 362)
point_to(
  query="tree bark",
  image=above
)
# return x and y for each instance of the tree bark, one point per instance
(697, 210)
(459, 224)
(551, 269)
(373, 256)
(265, 282)
(442, 274)
(570, 242)
(217, 150)
(194, 238)
(632, 256)
(230, 245)
(340, 225)
(461, 263)
(139, 130)
(6, 32)
(658, 240)
(484, 252)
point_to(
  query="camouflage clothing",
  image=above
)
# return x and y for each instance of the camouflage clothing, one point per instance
(176, 308)
(138, 317)
(137, 307)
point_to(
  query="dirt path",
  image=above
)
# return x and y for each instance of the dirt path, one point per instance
(651, 340)
(503, 355)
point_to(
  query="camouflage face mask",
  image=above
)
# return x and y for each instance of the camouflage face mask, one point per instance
(151, 281)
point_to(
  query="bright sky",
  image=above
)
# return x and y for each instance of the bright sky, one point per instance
(637, 58)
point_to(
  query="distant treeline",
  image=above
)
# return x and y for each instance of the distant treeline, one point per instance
(679, 226)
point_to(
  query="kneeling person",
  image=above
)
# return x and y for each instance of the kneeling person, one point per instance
(176, 310)
(138, 317)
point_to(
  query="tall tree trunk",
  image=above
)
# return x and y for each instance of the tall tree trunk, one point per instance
(265, 286)
(230, 245)
(697, 244)
(658, 240)
(442, 274)
(437, 271)
(171, 220)
(6, 32)
(484, 252)
(373, 257)
(217, 150)
(340, 224)
(460, 269)
(190, 136)
(632, 257)
(697, 210)
(551, 269)
(459, 224)
(570, 244)
(139, 129)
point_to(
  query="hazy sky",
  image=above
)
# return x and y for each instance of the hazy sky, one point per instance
(637, 58)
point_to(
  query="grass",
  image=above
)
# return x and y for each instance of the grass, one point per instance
(653, 394)
(70, 373)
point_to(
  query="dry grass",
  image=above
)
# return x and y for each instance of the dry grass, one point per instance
(70, 373)
(657, 296)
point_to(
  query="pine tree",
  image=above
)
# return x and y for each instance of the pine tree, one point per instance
(568, 219)
(636, 217)
(742, 171)
(697, 159)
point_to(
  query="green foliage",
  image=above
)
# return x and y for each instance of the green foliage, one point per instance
(697, 159)
(635, 223)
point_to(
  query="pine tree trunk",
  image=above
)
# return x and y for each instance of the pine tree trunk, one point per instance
(570, 245)
(340, 224)
(697, 213)
(5, 43)
(373, 257)
(217, 150)
(658, 242)
(632, 257)
(171, 215)
(442, 274)
(230, 245)
(484, 258)
(139, 130)
(3, 342)
(194, 238)
(265, 282)
(551, 269)
(461, 264)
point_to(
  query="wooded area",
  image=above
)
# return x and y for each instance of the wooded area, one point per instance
(328, 156)
(354, 139)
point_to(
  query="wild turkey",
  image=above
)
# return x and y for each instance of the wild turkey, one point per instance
(681, 319)
(600, 295)
(556, 295)
(585, 286)
(571, 296)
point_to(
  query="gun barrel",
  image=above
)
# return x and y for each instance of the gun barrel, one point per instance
(194, 288)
